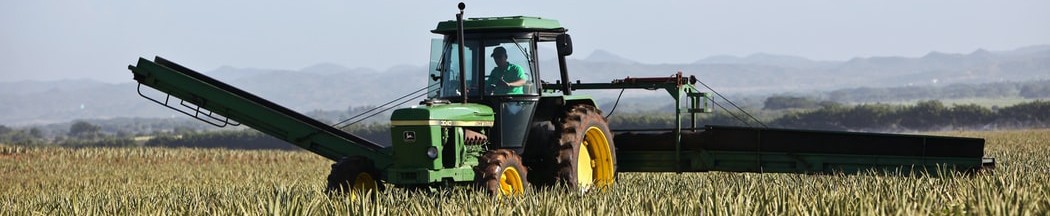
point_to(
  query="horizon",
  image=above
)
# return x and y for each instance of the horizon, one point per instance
(575, 57)
(65, 40)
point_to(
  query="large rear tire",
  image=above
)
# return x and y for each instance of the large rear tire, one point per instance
(354, 175)
(585, 156)
(500, 172)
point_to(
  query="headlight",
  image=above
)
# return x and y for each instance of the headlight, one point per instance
(432, 152)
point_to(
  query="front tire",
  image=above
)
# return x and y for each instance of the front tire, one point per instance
(501, 172)
(354, 175)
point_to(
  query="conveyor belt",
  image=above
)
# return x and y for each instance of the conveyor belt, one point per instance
(245, 108)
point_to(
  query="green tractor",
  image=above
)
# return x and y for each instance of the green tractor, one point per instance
(489, 120)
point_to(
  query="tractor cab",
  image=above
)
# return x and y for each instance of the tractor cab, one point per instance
(500, 69)
(488, 43)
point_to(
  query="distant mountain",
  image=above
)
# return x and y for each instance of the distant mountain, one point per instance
(764, 59)
(61, 103)
(1037, 50)
(603, 56)
(766, 73)
(943, 68)
(336, 91)
(33, 87)
(329, 86)
(331, 68)
(35, 102)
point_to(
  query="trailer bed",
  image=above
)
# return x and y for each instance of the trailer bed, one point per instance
(743, 149)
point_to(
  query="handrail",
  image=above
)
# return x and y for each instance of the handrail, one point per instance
(167, 98)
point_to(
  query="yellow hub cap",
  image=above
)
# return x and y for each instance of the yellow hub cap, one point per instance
(594, 166)
(363, 183)
(510, 182)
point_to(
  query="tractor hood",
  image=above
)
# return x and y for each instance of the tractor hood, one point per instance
(470, 115)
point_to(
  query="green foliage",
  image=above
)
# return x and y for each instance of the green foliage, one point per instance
(83, 129)
(970, 114)
(825, 118)
(1036, 111)
(1036, 90)
(925, 115)
(108, 141)
(252, 139)
(22, 137)
(375, 132)
(790, 102)
(658, 120)
(232, 139)
(127, 126)
(869, 116)
(1030, 89)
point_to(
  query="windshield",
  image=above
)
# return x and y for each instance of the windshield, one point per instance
(493, 67)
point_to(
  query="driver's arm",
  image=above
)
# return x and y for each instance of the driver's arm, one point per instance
(522, 77)
(520, 82)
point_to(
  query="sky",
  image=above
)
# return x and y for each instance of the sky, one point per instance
(58, 39)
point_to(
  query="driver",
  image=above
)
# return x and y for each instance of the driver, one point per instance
(506, 77)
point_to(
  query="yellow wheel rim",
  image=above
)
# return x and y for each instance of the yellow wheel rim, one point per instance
(594, 166)
(510, 182)
(363, 183)
(584, 170)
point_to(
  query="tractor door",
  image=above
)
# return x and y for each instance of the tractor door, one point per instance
(510, 60)
(513, 117)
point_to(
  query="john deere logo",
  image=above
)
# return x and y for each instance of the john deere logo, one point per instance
(410, 136)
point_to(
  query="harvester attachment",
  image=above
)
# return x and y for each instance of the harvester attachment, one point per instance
(687, 148)
(220, 104)
(743, 149)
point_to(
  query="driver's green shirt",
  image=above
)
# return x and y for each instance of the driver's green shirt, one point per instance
(508, 74)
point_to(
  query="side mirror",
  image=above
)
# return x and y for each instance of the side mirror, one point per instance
(564, 44)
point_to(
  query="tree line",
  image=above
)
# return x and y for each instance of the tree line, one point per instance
(1029, 90)
(922, 116)
(823, 115)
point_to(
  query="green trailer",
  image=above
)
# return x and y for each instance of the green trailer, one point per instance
(488, 120)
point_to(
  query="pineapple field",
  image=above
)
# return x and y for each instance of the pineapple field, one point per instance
(190, 181)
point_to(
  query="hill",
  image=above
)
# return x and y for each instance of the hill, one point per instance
(328, 86)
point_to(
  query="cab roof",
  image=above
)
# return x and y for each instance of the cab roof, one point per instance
(501, 24)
